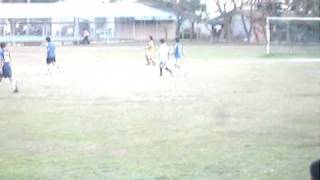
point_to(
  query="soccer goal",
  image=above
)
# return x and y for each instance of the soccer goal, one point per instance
(293, 35)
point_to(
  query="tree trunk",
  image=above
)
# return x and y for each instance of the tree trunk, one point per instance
(247, 30)
(254, 30)
(227, 27)
(179, 23)
(192, 30)
(225, 31)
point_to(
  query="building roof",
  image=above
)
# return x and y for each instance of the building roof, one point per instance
(83, 10)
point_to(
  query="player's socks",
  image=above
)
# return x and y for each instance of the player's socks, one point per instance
(14, 86)
(160, 71)
(49, 70)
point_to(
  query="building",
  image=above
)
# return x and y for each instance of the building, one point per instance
(65, 21)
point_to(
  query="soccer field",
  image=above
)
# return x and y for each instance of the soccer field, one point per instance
(105, 115)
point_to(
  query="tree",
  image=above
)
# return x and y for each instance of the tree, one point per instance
(306, 7)
(186, 10)
(226, 16)
(248, 30)
(183, 9)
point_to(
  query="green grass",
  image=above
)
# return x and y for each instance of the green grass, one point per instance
(249, 52)
(107, 116)
(290, 56)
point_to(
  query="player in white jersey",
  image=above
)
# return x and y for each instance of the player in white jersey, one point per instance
(164, 57)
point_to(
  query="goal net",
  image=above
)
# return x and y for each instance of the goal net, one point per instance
(293, 35)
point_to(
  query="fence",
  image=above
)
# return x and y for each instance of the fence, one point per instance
(70, 30)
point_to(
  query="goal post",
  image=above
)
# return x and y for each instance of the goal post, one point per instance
(291, 32)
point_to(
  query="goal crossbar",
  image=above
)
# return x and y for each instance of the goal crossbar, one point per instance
(294, 18)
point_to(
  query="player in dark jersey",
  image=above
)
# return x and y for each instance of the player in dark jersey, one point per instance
(5, 66)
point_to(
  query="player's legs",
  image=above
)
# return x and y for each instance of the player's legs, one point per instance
(169, 70)
(7, 73)
(177, 63)
(86, 39)
(162, 65)
(48, 65)
(151, 58)
(152, 61)
(148, 60)
(147, 55)
(14, 85)
(51, 62)
(54, 63)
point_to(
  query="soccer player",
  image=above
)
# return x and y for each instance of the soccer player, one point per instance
(315, 170)
(51, 54)
(164, 57)
(178, 53)
(6, 71)
(150, 51)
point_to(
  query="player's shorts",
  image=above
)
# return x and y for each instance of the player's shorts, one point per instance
(6, 70)
(162, 64)
(51, 60)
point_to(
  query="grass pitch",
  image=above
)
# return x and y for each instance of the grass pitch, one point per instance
(105, 115)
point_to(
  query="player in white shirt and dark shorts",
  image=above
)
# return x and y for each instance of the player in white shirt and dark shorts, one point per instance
(164, 57)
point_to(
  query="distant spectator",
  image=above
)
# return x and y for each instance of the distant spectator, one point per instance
(85, 35)
(315, 170)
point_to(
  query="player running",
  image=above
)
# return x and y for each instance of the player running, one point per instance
(150, 51)
(164, 57)
(5, 66)
(178, 53)
(51, 54)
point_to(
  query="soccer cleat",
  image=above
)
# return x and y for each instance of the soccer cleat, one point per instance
(15, 90)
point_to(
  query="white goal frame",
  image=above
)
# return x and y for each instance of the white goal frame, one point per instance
(288, 19)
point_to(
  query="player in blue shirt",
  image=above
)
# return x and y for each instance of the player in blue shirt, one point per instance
(51, 53)
(178, 53)
(5, 66)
